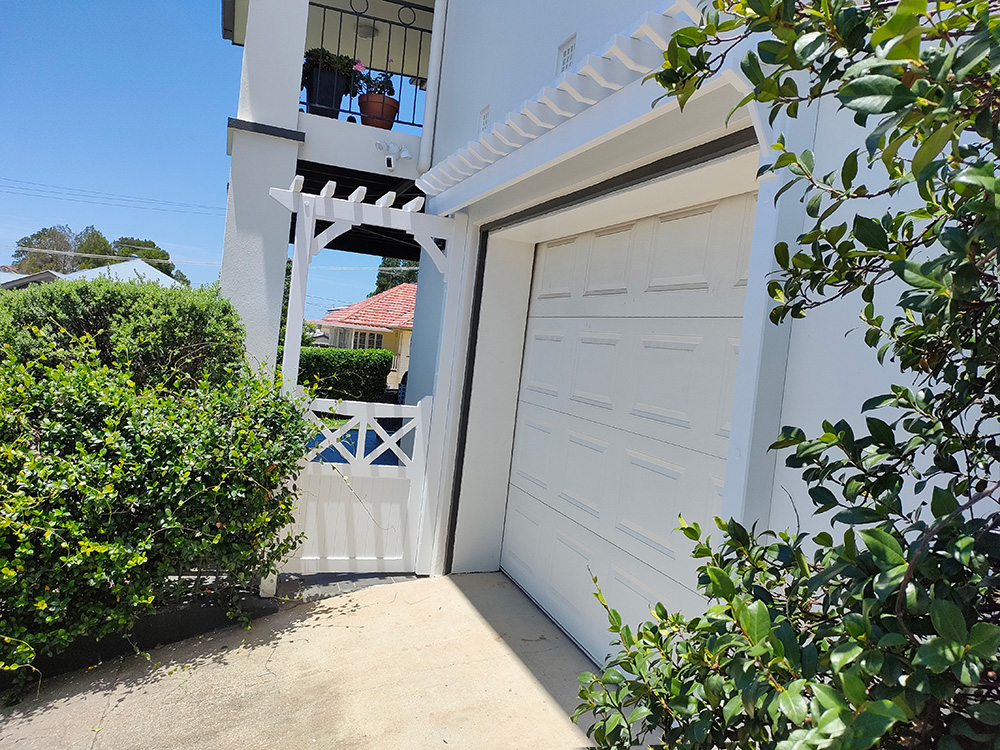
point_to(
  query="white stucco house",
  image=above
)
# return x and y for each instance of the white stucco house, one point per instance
(596, 339)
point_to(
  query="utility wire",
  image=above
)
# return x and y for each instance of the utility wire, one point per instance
(121, 258)
(117, 196)
(113, 205)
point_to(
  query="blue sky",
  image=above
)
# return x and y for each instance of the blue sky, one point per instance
(129, 99)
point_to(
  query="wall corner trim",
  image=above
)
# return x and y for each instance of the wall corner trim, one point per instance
(271, 130)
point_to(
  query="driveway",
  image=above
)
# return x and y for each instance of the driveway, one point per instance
(455, 662)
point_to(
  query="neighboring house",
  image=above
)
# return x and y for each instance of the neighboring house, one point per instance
(131, 270)
(598, 353)
(384, 321)
(17, 280)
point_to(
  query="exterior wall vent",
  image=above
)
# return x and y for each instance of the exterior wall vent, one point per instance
(566, 55)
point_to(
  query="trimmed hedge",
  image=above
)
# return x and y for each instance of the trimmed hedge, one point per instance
(109, 493)
(158, 334)
(349, 374)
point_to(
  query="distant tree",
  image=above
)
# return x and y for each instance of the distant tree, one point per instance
(126, 247)
(388, 277)
(92, 242)
(59, 238)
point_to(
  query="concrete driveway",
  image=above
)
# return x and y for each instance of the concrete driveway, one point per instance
(457, 662)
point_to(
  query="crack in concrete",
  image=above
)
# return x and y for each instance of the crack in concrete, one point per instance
(107, 706)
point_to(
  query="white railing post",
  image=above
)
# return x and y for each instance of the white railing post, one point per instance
(305, 228)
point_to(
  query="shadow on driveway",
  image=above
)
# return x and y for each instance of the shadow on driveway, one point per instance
(465, 661)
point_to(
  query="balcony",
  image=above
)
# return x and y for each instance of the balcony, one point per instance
(390, 39)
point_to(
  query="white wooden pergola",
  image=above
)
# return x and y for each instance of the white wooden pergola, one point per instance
(404, 545)
(345, 214)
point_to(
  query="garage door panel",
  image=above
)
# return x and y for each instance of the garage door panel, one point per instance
(560, 582)
(638, 375)
(624, 409)
(684, 264)
(654, 488)
(610, 256)
(579, 466)
(522, 545)
(628, 488)
(532, 463)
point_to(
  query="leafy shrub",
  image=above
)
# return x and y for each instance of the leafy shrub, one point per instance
(889, 635)
(109, 492)
(350, 374)
(158, 333)
(831, 653)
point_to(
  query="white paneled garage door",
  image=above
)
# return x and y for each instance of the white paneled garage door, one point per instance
(624, 411)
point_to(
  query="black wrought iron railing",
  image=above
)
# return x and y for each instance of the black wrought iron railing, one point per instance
(388, 42)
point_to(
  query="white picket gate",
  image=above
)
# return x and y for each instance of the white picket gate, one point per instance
(360, 516)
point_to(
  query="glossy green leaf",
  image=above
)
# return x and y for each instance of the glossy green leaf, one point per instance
(931, 147)
(883, 546)
(871, 234)
(722, 584)
(755, 621)
(938, 654)
(875, 94)
(984, 640)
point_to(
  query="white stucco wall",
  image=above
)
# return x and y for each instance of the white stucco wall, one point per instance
(425, 341)
(499, 54)
(256, 241)
(829, 371)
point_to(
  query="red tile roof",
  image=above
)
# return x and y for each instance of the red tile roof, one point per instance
(391, 309)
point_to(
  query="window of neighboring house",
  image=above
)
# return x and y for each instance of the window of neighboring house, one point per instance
(484, 119)
(566, 55)
(367, 340)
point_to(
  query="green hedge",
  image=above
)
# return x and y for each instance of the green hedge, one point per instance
(108, 491)
(158, 333)
(349, 374)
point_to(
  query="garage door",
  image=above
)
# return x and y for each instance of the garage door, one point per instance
(624, 412)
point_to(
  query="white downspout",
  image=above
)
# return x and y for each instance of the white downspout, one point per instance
(433, 86)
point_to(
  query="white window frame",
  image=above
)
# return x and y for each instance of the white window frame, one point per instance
(367, 340)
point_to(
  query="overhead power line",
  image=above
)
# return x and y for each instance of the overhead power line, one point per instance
(112, 258)
(107, 203)
(117, 196)
(116, 258)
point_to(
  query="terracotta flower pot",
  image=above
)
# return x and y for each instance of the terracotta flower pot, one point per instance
(378, 110)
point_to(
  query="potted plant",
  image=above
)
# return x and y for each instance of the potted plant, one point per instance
(378, 108)
(326, 77)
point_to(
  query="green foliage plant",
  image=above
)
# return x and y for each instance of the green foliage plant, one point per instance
(884, 633)
(323, 59)
(161, 335)
(116, 499)
(347, 374)
(374, 82)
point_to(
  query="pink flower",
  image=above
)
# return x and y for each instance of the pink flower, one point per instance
(390, 59)
(359, 66)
